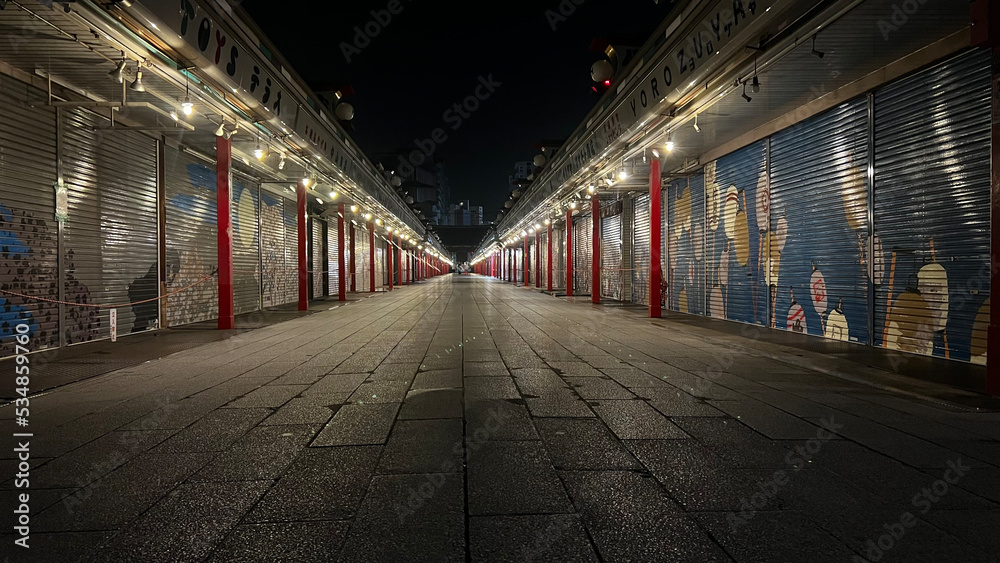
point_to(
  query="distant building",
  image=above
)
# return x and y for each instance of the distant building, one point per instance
(465, 214)
(427, 184)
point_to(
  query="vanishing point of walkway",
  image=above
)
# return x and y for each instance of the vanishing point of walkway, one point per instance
(463, 419)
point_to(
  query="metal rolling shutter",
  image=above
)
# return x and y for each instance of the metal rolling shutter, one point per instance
(544, 247)
(684, 232)
(735, 223)
(364, 259)
(519, 264)
(272, 248)
(111, 233)
(640, 251)
(29, 234)
(191, 238)
(583, 250)
(819, 225)
(290, 274)
(246, 245)
(316, 255)
(932, 209)
(332, 252)
(380, 273)
(531, 262)
(611, 257)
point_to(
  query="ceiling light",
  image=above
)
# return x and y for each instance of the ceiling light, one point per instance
(354, 209)
(221, 130)
(318, 200)
(548, 222)
(281, 163)
(669, 144)
(814, 51)
(118, 74)
(368, 216)
(186, 106)
(744, 95)
(697, 128)
(590, 188)
(755, 84)
(333, 195)
(622, 174)
(173, 115)
(306, 181)
(137, 85)
(258, 152)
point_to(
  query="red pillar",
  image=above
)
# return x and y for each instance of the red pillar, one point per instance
(353, 267)
(569, 253)
(371, 256)
(655, 271)
(223, 190)
(538, 259)
(527, 262)
(399, 248)
(300, 219)
(342, 285)
(595, 262)
(388, 257)
(548, 265)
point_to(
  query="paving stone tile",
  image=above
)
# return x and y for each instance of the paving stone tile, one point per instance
(379, 392)
(215, 432)
(337, 383)
(575, 369)
(438, 379)
(589, 388)
(583, 444)
(490, 388)
(480, 369)
(774, 536)
(396, 522)
(488, 420)
(358, 425)
(514, 478)
(432, 403)
(305, 542)
(300, 411)
(321, 484)
(424, 446)
(263, 453)
(555, 538)
(635, 420)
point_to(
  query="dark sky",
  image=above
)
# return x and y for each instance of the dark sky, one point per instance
(431, 55)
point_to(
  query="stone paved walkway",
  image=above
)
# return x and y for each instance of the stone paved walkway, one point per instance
(467, 420)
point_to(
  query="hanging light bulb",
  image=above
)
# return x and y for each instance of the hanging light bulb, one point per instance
(622, 174)
(354, 209)
(137, 85)
(186, 106)
(258, 152)
(306, 181)
(333, 195)
(670, 142)
(118, 74)
(281, 163)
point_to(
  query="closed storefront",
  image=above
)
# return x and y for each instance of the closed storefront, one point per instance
(332, 256)
(583, 250)
(932, 210)
(363, 264)
(640, 251)
(191, 237)
(381, 277)
(317, 264)
(544, 248)
(246, 245)
(816, 245)
(29, 233)
(611, 251)
(532, 262)
(111, 231)
(684, 231)
(279, 249)
(735, 222)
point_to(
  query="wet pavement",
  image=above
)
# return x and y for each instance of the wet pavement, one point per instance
(464, 419)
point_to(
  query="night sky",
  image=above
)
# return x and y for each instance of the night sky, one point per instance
(432, 54)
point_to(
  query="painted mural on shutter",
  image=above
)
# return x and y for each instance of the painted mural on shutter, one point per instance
(192, 239)
(818, 230)
(111, 232)
(275, 259)
(583, 250)
(246, 245)
(684, 232)
(611, 257)
(29, 233)
(640, 251)
(932, 210)
(736, 221)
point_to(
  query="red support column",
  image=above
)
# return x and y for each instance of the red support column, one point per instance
(569, 253)
(223, 191)
(527, 262)
(538, 259)
(371, 256)
(342, 285)
(655, 270)
(300, 219)
(388, 257)
(399, 248)
(595, 262)
(548, 264)
(353, 266)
